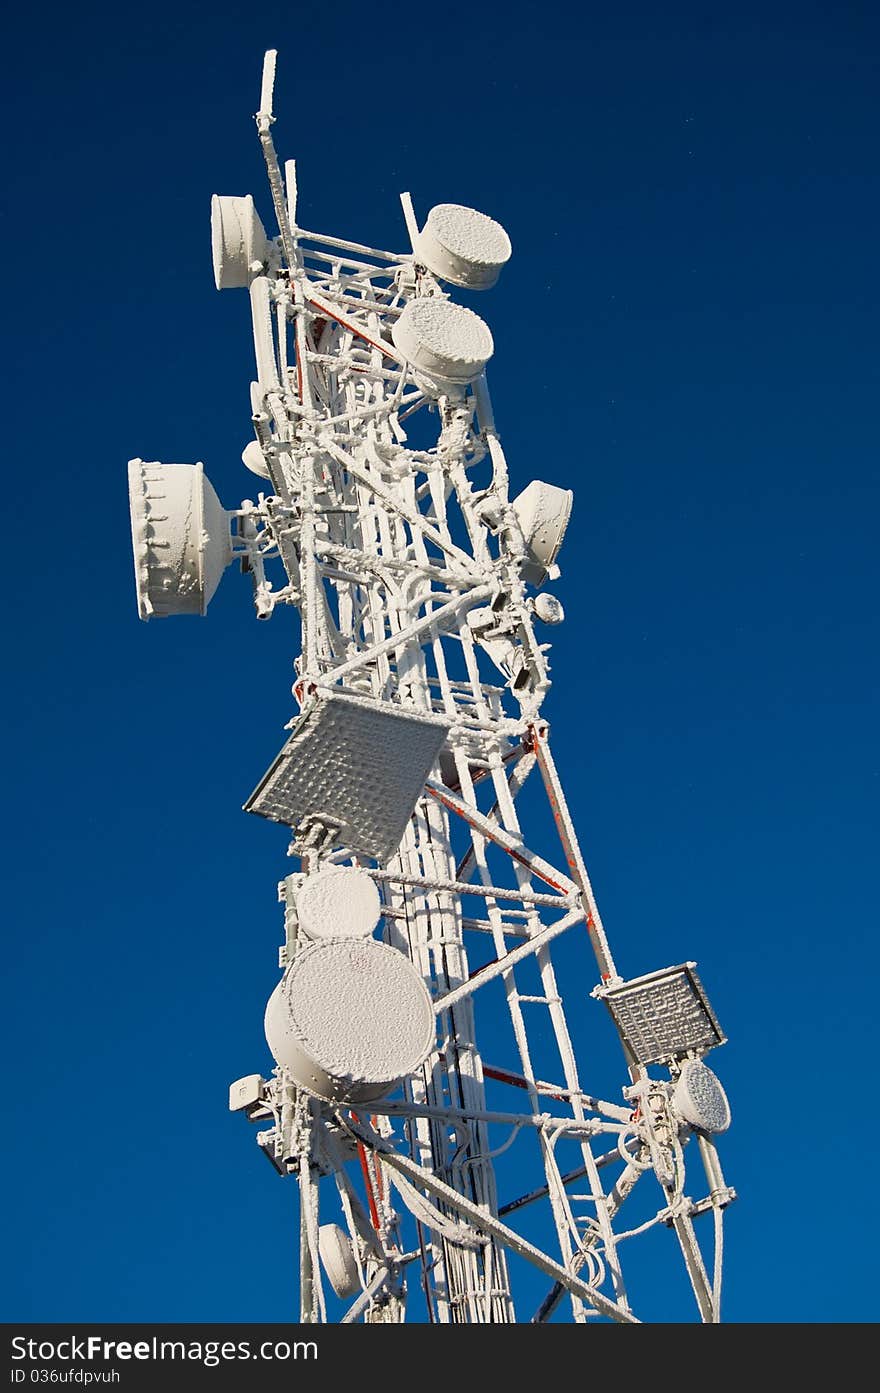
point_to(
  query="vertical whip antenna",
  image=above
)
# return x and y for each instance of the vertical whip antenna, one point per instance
(264, 119)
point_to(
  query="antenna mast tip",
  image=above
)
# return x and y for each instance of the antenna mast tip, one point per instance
(265, 110)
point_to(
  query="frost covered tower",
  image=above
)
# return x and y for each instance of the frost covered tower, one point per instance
(426, 1095)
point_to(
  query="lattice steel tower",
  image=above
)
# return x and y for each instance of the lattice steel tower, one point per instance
(420, 685)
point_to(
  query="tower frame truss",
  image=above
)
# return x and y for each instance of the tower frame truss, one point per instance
(419, 758)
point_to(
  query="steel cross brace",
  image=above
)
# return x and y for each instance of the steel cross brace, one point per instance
(494, 1228)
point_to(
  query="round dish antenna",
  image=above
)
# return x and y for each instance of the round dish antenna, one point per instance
(543, 511)
(699, 1098)
(338, 902)
(447, 341)
(463, 246)
(349, 1019)
(180, 537)
(238, 241)
(338, 1261)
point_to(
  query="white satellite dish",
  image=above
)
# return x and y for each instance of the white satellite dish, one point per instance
(252, 458)
(543, 511)
(445, 340)
(238, 240)
(699, 1098)
(463, 246)
(337, 1257)
(180, 536)
(338, 902)
(349, 1019)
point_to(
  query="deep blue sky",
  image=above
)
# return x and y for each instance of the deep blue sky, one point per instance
(687, 336)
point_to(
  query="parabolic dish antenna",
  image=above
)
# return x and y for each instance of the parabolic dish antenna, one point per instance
(180, 536)
(349, 1019)
(463, 246)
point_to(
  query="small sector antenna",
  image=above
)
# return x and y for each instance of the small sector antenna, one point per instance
(427, 1096)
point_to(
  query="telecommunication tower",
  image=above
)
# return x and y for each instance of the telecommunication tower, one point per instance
(420, 924)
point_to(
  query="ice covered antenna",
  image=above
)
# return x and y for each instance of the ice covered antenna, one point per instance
(264, 119)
